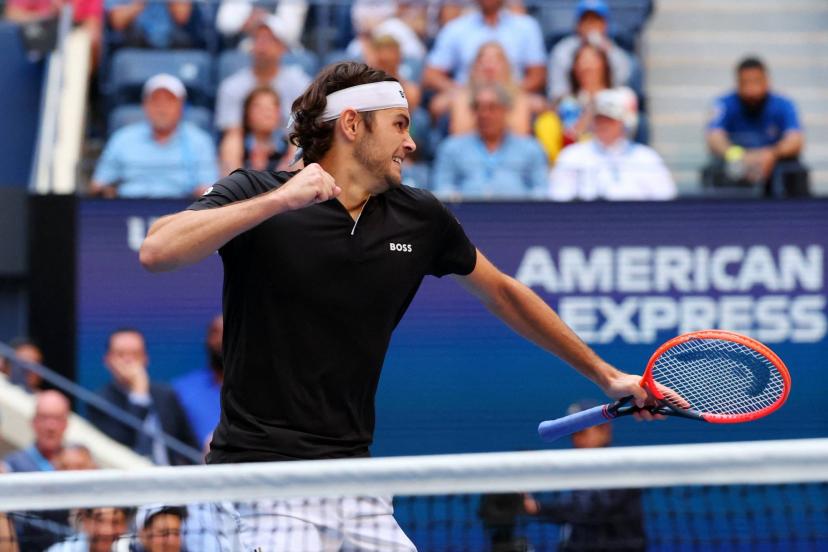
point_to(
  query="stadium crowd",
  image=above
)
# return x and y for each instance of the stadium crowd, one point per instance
(502, 108)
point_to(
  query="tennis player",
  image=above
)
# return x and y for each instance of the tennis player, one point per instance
(319, 267)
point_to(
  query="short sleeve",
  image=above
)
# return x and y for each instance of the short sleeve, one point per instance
(238, 186)
(454, 252)
(109, 168)
(790, 119)
(535, 50)
(442, 55)
(718, 117)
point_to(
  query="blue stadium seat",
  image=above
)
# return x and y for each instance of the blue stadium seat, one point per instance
(132, 113)
(132, 67)
(230, 61)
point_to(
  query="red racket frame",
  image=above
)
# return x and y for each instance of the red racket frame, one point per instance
(648, 381)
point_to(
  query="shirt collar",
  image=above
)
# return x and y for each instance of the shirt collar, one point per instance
(619, 147)
(501, 16)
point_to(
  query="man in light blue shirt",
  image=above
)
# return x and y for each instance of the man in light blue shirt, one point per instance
(456, 46)
(490, 163)
(160, 157)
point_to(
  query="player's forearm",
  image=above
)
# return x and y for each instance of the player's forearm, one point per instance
(531, 317)
(190, 236)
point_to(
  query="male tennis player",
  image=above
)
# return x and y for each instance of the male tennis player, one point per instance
(319, 267)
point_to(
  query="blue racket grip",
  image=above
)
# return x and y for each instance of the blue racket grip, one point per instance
(551, 430)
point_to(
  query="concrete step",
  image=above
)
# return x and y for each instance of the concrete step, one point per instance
(737, 6)
(783, 77)
(810, 19)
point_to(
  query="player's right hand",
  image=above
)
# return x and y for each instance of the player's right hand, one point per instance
(309, 186)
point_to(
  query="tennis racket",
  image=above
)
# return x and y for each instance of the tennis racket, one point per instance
(713, 376)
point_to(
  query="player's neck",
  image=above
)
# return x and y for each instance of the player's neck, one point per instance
(351, 178)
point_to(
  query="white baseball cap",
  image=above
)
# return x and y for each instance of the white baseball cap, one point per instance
(619, 103)
(145, 514)
(275, 25)
(165, 81)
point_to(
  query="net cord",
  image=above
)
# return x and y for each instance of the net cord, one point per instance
(756, 462)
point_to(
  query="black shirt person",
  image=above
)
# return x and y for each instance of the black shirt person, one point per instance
(320, 266)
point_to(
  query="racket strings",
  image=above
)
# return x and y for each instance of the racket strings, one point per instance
(717, 376)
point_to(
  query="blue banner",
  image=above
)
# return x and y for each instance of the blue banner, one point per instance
(626, 277)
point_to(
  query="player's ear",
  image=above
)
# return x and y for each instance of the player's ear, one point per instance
(349, 121)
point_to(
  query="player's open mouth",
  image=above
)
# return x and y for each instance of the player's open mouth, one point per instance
(397, 160)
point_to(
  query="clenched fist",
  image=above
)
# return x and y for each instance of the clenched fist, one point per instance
(311, 185)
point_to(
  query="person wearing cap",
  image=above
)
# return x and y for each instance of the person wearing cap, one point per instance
(100, 530)
(592, 19)
(320, 265)
(159, 529)
(594, 520)
(450, 60)
(161, 157)
(609, 165)
(236, 18)
(269, 44)
(142, 24)
(491, 162)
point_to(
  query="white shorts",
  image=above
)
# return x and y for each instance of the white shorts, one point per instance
(345, 524)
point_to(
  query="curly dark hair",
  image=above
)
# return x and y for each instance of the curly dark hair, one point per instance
(315, 138)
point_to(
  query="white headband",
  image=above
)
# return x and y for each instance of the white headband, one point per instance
(364, 97)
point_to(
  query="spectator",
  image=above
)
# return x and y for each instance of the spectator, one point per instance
(237, 18)
(26, 351)
(27, 11)
(99, 529)
(594, 520)
(289, 81)
(151, 24)
(573, 118)
(49, 423)
(374, 18)
(51, 417)
(75, 457)
(448, 65)
(385, 54)
(490, 66)
(160, 157)
(591, 27)
(756, 137)
(154, 403)
(200, 390)
(610, 166)
(491, 162)
(262, 144)
(8, 536)
(159, 529)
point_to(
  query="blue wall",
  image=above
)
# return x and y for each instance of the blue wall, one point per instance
(20, 85)
(456, 379)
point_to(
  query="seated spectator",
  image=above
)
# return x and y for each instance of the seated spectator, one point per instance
(49, 423)
(51, 417)
(490, 66)
(75, 457)
(200, 390)
(491, 163)
(374, 18)
(8, 536)
(262, 145)
(155, 403)
(449, 63)
(26, 350)
(266, 69)
(151, 24)
(610, 166)
(591, 27)
(159, 529)
(161, 157)
(572, 119)
(27, 11)
(99, 529)
(385, 54)
(756, 137)
(237, 18)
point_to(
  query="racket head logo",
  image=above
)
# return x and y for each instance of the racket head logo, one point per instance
(753, 365)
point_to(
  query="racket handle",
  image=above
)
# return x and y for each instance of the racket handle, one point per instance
(551, 430)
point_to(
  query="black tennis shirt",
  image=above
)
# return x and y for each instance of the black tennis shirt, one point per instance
(310, 300)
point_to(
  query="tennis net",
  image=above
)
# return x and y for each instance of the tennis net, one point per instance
(768, 495)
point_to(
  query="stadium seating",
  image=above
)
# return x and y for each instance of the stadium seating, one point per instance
(132, 67)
